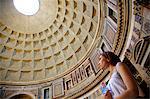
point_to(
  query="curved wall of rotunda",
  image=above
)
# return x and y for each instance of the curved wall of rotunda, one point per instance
(53, 54)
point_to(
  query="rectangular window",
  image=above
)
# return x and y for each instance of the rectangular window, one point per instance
(46, 93)
(113, 1)
(112, 14)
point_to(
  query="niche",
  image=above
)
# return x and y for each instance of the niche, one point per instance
(68, 83)
(89, 70)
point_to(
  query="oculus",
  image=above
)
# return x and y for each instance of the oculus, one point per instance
(27, 7)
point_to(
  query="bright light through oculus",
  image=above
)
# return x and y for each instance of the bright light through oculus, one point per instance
(27, 7)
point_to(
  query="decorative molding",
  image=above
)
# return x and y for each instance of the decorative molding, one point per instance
(123, 26)
(94, 60)
(58, 88)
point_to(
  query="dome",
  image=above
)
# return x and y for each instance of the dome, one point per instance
(48, 43)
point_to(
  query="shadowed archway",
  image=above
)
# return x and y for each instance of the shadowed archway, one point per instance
(21, 96)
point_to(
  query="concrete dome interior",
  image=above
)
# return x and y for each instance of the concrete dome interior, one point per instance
(47, 43)
(53, 53)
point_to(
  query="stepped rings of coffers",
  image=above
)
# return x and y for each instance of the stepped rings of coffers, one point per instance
(47, 43)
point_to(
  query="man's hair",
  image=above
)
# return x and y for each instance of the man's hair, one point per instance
(113, 58)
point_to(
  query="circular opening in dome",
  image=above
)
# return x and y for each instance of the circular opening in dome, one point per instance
(27, 7)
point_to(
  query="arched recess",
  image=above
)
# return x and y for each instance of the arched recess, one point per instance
(21, 95)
